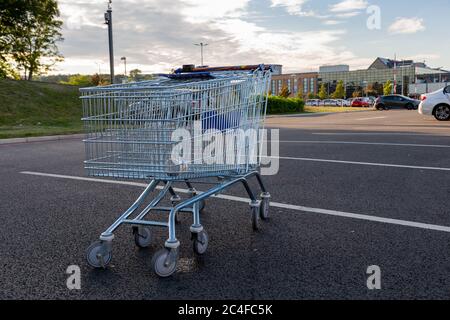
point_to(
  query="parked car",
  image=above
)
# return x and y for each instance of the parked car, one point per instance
(312, 102)
(360, 103)
(329, 102)
(396, 101)
(342, 103)
(436, 104)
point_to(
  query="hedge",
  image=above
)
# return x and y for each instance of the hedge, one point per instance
(279, 105)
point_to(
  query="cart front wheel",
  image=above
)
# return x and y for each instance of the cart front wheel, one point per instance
(264, 208)
(200, 242)
(142, 237)
(164, 265)
(255, 218)
(98, 256)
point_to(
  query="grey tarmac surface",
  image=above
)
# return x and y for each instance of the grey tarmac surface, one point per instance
(47, 223)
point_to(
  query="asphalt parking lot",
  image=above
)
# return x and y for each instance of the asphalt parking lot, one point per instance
(353, 190)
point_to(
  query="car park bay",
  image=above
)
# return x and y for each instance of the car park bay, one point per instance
(353, 190)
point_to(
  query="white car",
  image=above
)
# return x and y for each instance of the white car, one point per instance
(342, 103)
(312, 102)
(436, 104)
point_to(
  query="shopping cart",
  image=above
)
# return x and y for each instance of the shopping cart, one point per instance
(134, 130)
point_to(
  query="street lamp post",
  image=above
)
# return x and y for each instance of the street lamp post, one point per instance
(201, 45)
(124, 59)
(108, 21)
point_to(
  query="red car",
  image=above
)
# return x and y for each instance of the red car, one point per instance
(360, 103)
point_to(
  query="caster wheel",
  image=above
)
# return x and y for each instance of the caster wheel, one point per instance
(200, 243)
(96, 256)
(255, 218)
(202, 205)
(160, 265)
(264, 208)
(142, 237)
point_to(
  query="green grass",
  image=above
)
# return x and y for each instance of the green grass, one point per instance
(36, 109)
(309, 109)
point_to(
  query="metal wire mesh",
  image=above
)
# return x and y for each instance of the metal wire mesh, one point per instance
(130, 127)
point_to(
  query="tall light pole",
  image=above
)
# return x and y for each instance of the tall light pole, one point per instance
(108, 21)
(201, 45)
(124, 59)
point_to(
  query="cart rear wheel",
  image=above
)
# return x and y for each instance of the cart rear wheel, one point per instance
(160, 265)
(98, 256)
(264, 208)
(142, 237)
(200, 243)
(202, 205)
(255, 218)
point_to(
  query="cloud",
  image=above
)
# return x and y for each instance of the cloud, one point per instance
(407, 26)
(293, 7)
(349, 5)
(424, 56)
(158, 35)
(333, 22)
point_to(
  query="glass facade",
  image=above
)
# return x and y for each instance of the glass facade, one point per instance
(362, 77)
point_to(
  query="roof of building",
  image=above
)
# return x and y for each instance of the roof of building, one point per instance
(385, 63)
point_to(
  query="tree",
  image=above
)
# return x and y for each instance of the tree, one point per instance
(285, 92)
(80, 81)
(311, 95)
(7, 71)
(374, 89)
(29, 31)
(339, 93)
(387, 88)
(357, 93)
(323, 92)
(96, 79)
(134, 74)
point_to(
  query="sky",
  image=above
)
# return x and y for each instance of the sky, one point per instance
(159, 35)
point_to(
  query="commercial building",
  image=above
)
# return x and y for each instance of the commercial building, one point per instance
(405, 74)
(297, 83)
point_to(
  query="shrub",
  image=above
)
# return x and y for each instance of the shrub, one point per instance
(279, 105)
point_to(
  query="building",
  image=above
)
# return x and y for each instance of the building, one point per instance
(336, 68)
(402, 73)
(297, 83)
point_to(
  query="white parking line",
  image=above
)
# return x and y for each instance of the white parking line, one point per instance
(365, 163)
(380, 134)
(342, 214)
(370, 143)
(373, 118)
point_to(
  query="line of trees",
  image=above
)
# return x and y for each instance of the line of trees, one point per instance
(29, 33)
(372, 89)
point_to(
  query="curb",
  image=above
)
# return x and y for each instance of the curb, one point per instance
(41, 139)
(312, 114)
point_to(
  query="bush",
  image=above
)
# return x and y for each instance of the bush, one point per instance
(278, 105)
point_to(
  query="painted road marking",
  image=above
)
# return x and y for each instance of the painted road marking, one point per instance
(364, 163)
(380, 134)
(373, 118)
(342, 214)
(371, 143)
